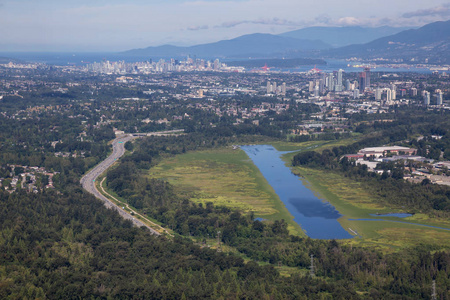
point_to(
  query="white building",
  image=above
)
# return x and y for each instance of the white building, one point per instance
(426, 98)
(383, 151)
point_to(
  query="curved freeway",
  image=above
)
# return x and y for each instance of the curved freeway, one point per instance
(88, 180)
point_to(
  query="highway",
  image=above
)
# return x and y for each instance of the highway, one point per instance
(88, 180)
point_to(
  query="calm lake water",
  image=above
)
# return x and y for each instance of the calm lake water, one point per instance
(316, 217)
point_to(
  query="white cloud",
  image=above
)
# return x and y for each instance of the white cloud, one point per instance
(440, 11)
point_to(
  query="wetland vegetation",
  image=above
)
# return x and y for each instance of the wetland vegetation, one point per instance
(189, 208)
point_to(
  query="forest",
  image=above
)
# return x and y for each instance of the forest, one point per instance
(372, 272)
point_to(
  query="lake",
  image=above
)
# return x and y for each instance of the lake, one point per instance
(317, 218)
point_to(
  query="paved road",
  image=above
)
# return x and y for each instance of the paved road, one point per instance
(88, 180)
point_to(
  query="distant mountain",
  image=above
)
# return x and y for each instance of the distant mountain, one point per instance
(430, 43)
(251, 45)
(343, 36)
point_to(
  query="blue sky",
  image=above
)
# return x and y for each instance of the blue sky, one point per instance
(116, 25)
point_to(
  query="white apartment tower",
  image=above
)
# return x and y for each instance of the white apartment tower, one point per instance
(439, 97)
(426, 98)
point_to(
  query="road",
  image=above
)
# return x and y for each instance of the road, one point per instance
(88, 180)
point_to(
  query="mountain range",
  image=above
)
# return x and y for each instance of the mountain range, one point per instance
(343, 36)
(430, 43)
(251, 45)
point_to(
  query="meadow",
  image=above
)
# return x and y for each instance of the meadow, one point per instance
(225, 177)
(228, 177)
(353, 201)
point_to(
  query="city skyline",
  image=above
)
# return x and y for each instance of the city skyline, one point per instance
(121, 25)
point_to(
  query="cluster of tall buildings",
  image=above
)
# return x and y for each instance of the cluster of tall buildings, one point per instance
(333, 82)
(426, 96)
(272, 88)
(390, 92)
(160, 66)
(364, 79)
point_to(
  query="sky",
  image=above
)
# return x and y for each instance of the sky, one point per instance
(118, 25)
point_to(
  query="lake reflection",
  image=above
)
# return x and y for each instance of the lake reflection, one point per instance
(317, 218)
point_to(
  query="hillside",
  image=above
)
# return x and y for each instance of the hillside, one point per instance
(343, 36)
(430, 43)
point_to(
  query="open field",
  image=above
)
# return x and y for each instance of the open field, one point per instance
(354, 202)
(309, 146)
(228, 177)
(312, 145)
(225, 177)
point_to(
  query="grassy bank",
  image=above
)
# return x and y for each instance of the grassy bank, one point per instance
(353, 201)
(309, 146)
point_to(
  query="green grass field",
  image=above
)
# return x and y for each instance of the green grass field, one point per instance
(225, 177)
(354, 202)
(310, 146)
(228, 177)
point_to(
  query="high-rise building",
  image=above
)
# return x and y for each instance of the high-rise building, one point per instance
(413, 92)
(394, 91)
(355, 93)
(339, 77)
(316, 91)
(439, 97)
(388, 95)
(323, 77)
(378, 92)
(367, 71)
(339, 87)
(311, 86)
(426, 98)
(283, 89)
(269, 87)
(348, 85)
(217, 64)
(402, 92)
(330, 83)
(362, 81)
(321, 85)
